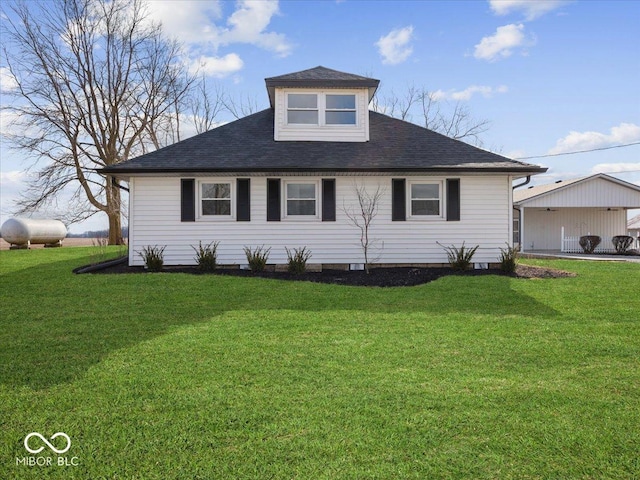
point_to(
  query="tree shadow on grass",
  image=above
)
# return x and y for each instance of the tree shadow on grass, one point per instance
(56, 325)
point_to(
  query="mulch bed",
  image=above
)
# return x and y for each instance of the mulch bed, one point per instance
(378, 277)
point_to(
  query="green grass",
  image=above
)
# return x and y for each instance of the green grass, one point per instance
(173, 376)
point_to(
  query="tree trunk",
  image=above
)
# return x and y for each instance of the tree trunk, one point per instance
(113, 211)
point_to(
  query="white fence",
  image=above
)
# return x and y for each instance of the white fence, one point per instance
(571, 244)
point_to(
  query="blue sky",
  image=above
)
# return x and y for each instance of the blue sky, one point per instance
(551, 76)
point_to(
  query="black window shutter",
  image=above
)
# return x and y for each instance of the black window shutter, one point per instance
(243, 200)
(273, 199)
(398, 200)
(453, 199)
(188, 200)
(328, 200)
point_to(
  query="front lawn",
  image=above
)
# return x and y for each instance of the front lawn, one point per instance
(176, 376)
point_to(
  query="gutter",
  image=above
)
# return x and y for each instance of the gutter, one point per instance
(526, 182)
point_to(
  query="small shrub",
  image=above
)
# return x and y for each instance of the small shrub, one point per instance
(257, 258)
(153, 257)
(509, 259)
(298, 260)
(622, 243)
(589, 243)
(206, 256)
(460, 258)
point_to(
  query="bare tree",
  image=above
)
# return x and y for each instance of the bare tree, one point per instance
(423, 107)
(240, 107)
(362, 215)
(97, 83)
(206, 105)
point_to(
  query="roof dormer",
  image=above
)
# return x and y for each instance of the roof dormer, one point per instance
(321, 104)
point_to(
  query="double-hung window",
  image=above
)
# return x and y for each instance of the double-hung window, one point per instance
(340, 109)
(425, 199)
(215, 199)
(301, 199)
(321, 109)
(302, 108)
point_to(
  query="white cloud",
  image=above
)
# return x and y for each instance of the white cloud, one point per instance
(12, 177)
(190, 21)
(615, 167)
(395, 47)
(502, 43)
(467, 93)
(532, 9)
(8, 82)
(217, 67)
(197, 24)
(578, 141)
(248, 23)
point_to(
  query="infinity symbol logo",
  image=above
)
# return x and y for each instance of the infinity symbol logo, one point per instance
(55, 435)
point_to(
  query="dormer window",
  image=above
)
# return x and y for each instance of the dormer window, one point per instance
(340, 109)
(302, 109)
(321, 109)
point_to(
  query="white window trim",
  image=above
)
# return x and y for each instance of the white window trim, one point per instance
(426, 218)
(322, 109)
(217, 218)
(300, 218)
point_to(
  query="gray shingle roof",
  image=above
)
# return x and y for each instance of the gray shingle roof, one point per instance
(247, 145)
(320, 77)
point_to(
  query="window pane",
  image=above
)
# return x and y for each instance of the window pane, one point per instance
(301, 190)
(301, 207)
(309, 117)
(341, 102)
(216, 190)
(303, 100)
(425, 207)
(341, 118)
(216, 207)
(426, 190)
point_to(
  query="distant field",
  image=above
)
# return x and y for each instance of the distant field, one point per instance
(67, 242)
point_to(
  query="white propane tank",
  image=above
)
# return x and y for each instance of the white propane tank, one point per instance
(25, 231)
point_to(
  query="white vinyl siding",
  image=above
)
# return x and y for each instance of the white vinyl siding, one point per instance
(342, 115)
(484, 220)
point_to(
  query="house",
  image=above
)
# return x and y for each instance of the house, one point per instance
(288, 176)
(553, 217)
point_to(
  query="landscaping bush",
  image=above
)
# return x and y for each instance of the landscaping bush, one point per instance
(206, 256)
(622, 243)
(460, 258)
(257, 258)
(509, 259)
(298, 260)
(589, 243)
(153, 257)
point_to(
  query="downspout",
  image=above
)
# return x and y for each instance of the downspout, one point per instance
(526, 182)
(520, 222)
(115, 183)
